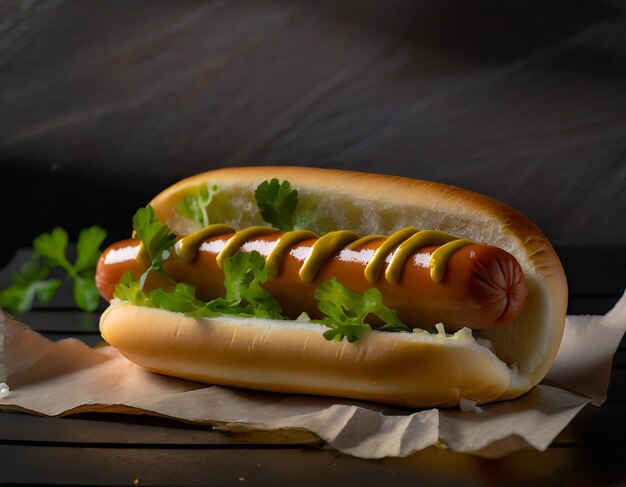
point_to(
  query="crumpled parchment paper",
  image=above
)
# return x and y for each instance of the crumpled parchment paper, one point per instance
(60, 378)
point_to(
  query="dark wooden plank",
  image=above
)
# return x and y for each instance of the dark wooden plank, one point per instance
(61, 321)
(135, 431)
(574, 467)
(593, 426)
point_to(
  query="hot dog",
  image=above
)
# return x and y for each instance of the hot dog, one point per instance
(481, 286)
(501, 294)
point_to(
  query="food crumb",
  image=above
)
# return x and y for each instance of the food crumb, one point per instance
(136, 482)
(469, 406)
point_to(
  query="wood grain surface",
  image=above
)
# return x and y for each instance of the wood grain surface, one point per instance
(106, 103)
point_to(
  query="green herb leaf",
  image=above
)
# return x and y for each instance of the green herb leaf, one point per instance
(88, 248)
(243, 271)
(244, 294)
(156, 236)
(29, 283)
(350, 331)
(222, 306)
(31, 271)
(16, 299)
(346, 311)
(45, 290)
(181, 299)
(394, 328)
(52, 247)
(128, 290)
(195, 206)
(244, 274)
(277, 203)
(86, 294)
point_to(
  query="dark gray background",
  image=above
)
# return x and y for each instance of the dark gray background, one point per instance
(103, 104)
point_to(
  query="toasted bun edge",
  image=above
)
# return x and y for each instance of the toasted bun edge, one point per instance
(413, 369)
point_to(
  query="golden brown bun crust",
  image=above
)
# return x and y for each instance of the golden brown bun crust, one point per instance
(288, 357)
(373, 203)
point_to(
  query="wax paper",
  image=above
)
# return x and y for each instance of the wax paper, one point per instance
(65, 377)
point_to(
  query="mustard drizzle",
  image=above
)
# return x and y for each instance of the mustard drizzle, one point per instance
(439, 258)
(375, 266)
(400, 245)
(326, 246)
(188, 246)
(237, 240)
(287, 240)
(416, 241)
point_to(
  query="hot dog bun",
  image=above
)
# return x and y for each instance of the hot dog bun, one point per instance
(416, 370)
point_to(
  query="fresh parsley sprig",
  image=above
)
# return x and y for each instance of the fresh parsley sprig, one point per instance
(244, 274)
(195, 206)
(156, 239)
(277, 203)
(30, 282)
(245, 297)
(346, 311)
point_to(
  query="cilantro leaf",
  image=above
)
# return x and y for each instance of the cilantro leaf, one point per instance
(244, 274)
(45, 290)
(350, 331)
(346, 311)
(86, 295)
(29, 283)
(181, 299)
(128, 290)
(244, 294)
(277, 203)
(394, 328)
(194, 206)
(156, 238)
(31, 271)
(88, 248)
(52, 247)
(221, 306)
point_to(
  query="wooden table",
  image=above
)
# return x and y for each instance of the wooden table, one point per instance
(107, 449)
